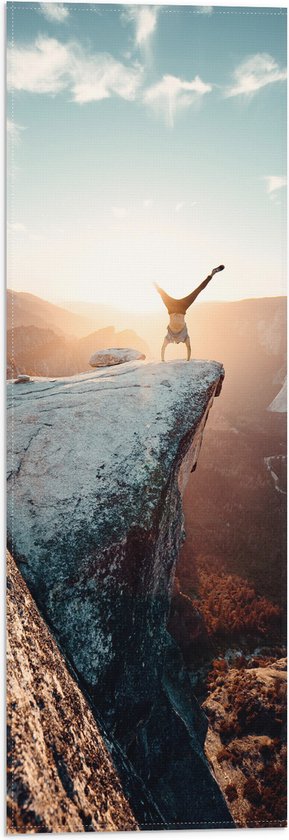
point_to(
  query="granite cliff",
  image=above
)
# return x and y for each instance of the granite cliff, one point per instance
(60, 775)
(97, 464)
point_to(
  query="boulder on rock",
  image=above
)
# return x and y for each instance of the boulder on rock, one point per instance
(115, 356)
(22, 377)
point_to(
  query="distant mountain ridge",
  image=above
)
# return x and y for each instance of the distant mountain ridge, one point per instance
(46, 340)
(247, 336)
(279, 404)
(25, 309)
(40, 352)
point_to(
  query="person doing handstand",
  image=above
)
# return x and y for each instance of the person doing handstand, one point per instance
(177, 308)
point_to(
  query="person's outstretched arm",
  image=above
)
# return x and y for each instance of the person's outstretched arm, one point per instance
(187, 301)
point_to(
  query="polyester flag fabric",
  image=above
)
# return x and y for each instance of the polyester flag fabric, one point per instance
(146, 406)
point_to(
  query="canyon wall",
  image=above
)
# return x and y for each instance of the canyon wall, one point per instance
(97, 464)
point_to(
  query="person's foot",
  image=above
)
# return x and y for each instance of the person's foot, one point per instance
(219, 268)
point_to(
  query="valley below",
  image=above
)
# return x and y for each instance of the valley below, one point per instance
(229, 609)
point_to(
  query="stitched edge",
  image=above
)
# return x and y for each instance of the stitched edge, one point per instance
(252, 824)
(282, 11)
(12, 148)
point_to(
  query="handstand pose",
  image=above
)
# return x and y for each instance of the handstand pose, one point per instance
(177, 307)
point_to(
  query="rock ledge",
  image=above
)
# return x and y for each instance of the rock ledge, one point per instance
(96, 468)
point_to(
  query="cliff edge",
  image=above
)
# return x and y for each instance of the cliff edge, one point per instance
(96, 468)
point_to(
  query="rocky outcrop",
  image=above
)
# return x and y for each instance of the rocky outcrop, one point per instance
(187, 627)
(96, 467)
(246, 741)
(279, 403)
(115, 356)
(60, 775)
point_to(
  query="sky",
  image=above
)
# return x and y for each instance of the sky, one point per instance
(145, 144)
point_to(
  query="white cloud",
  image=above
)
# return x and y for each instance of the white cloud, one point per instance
(35, 237)
(255, 73)
(119, 212)
(172, 94)
(101, 76)
(14, 131)
(181, 204)
(17, 227)
(147, 203)
(205, 10)
(144, 19)
(54, 11)
(41, 68)
(274, 183)
(48, 66)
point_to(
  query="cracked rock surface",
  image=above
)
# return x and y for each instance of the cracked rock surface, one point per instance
(61, 777)
(96, 467)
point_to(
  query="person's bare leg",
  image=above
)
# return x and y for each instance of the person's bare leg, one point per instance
(189, 299)
(189, 350)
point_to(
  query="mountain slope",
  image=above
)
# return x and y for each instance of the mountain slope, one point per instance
(246, 741)
(280, 402)
(24, 309)
(40, 352)
(60, 775)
